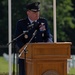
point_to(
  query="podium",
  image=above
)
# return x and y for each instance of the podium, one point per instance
(47, 58)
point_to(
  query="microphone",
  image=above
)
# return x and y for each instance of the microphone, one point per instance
(25, 32)
(34, 24)
(31, 25)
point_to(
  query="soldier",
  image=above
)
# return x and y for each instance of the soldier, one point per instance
(31, 23)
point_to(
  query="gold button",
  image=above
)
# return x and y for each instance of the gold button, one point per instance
(26, 36)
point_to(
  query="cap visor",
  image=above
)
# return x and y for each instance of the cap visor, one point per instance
(34, 10)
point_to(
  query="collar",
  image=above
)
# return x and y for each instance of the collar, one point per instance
(31, 20)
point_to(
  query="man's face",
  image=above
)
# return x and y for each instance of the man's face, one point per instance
(33, 15)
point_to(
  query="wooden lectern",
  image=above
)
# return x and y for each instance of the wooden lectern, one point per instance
(47, 58)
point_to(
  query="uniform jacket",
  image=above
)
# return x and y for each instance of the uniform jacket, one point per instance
(40, 36)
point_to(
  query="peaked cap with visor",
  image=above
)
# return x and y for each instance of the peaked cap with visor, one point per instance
(33, 6)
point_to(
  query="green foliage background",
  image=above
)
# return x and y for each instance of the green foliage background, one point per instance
(64, 15)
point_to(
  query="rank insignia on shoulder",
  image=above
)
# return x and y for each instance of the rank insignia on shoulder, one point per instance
(25, 36)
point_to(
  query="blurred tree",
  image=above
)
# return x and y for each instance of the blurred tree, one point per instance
(71, 30)
(1, 9)
(63, 16)
(3, 26)
(3, 22)
(65, 19)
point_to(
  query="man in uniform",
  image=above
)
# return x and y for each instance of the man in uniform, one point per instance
(31, 24)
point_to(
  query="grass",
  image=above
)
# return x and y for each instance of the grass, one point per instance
(4, 67)
(72, 71)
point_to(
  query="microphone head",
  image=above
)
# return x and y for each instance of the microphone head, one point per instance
(25, 32)
(34, 24)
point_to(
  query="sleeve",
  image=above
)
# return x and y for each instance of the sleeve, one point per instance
(50, 38)
(48, 34)
(18, 32)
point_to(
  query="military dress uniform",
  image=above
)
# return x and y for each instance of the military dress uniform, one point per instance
(42, 35)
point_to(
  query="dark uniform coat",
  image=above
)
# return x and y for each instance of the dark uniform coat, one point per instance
(40, 36)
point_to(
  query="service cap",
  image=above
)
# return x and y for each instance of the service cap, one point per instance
(33, 6)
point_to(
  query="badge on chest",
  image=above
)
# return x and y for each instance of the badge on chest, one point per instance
(26, 36)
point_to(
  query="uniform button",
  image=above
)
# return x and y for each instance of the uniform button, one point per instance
(26, 36)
